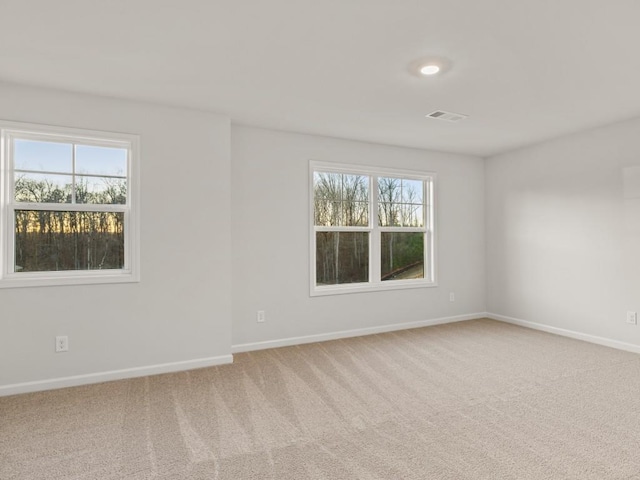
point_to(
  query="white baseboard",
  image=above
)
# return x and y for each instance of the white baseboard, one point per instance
(323, 337)
(76, 380)
(607, 342)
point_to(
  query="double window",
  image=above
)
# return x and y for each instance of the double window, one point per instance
(69, 210)
(372, 229)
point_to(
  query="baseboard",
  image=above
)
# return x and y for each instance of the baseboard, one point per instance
(100, 377)
(607, 342)
(323, 337)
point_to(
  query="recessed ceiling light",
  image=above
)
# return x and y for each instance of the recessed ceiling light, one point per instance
(429, 66)
(429, 69)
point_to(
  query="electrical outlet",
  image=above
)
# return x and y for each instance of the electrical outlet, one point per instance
(62, 343)
(260, 316)
(632, 318)
(452, 297)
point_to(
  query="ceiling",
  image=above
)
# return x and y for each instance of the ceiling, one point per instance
(524, 71)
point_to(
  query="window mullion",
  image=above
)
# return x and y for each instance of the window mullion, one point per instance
(70, 207)
(319, 228)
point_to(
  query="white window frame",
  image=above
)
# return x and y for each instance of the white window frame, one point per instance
(131, 271)
(375, 283)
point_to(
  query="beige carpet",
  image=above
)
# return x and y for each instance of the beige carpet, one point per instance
(471, 400)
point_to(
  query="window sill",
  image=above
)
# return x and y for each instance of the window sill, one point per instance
(53, 279)
(370, 287)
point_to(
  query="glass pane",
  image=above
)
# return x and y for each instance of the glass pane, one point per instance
(327, 214)
(340, 200)
(355, 188)
(402, 255)
(412, 191)
(42, 188)
(101, 160)
(98, 190)
(355, 214)
(327, 186)
(342, 257)
(326, 197)
(389, 190)
(389, 214)
(58, 240)
(42, 156)
(412, 216)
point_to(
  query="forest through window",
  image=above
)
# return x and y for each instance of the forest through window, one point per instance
(370, 228)
(66, 204)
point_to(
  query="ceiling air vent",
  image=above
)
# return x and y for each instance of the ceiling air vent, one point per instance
(447, 116)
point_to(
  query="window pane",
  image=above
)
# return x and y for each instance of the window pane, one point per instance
(402, 255)
(342, 257)
(327, 214)
(59, 240)
(355, 214)
(355, 188)
(42, 156)
(400, 215)
(42, 188)
(340, 200)
(328, 186)
(412, 191)
(326, 198)
(389, 214)
(400, 202)
(389, 197)
(389, 190)
(101, 160)
(412, 215)
(98, 190)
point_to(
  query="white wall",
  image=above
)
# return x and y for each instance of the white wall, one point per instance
(181, 310)
(563, 242)
(270, 232)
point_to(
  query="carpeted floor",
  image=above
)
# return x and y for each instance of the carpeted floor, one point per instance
(471, 400)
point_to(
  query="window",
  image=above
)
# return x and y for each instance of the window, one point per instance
(371, 229)
(69, 206)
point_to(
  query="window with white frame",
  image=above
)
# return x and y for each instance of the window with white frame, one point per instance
(371, 228)
(69, 206)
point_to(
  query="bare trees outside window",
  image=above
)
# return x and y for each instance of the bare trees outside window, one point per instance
(401, 204)
(67, 204)
(370, 228)
(54, 240)
(341, 202)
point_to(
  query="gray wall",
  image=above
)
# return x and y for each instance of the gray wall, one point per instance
(563, 233)
(217, 184)
(270, 231)
(561, 242)
(181, 309)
